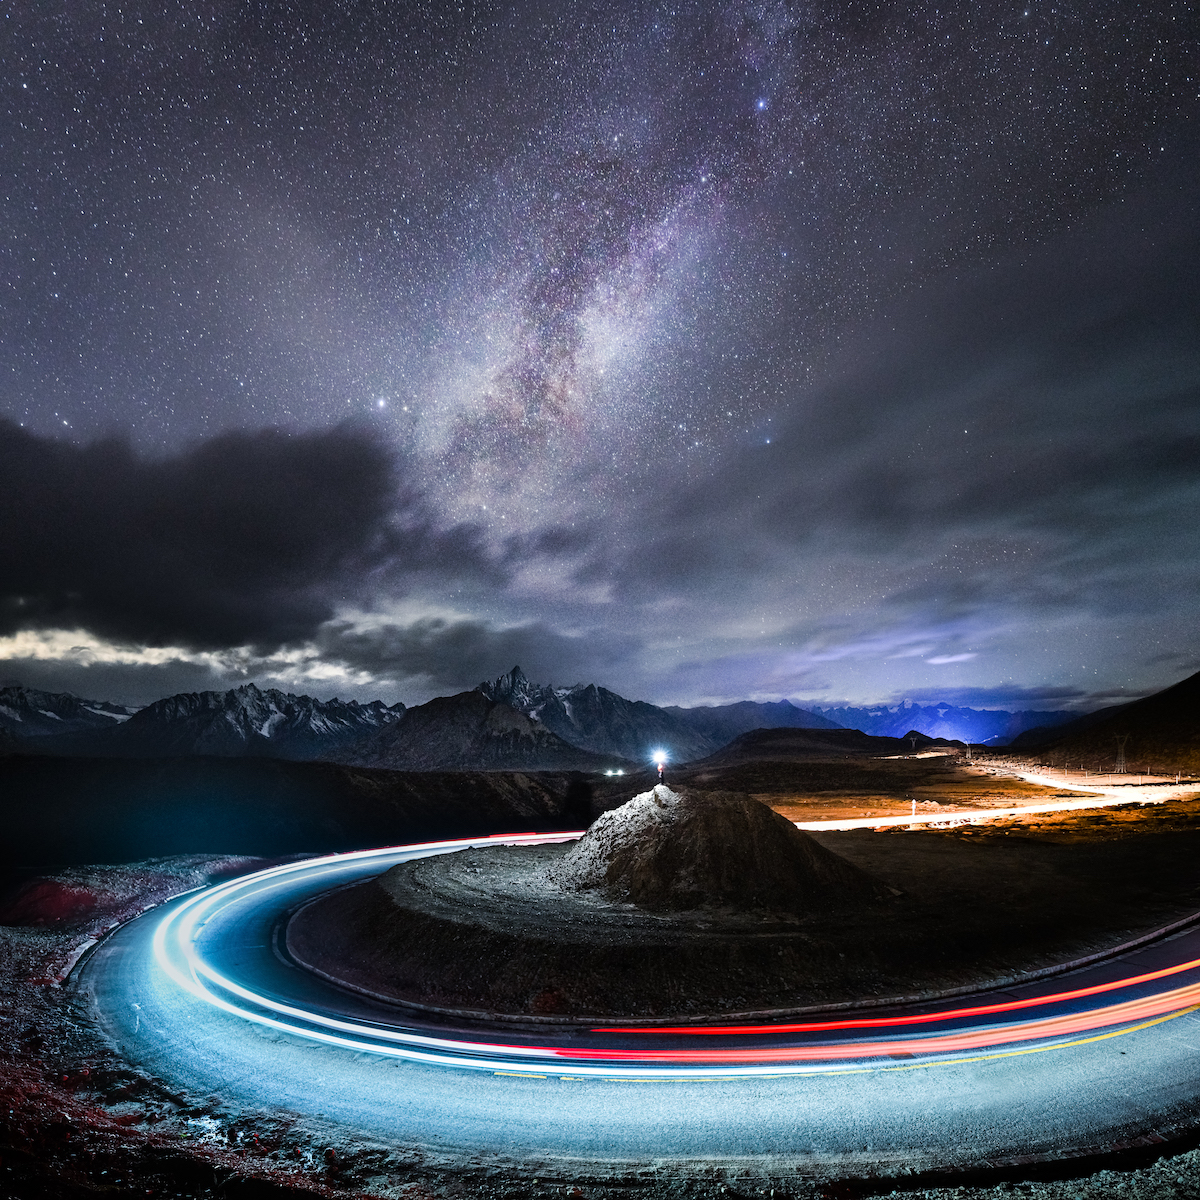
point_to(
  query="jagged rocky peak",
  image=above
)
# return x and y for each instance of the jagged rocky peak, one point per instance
(675, 851)
(513, 689)
(245, 716)
(248, 696)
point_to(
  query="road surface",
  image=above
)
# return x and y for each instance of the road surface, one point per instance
(200, 995)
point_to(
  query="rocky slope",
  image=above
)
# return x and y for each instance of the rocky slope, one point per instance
(471, 732)
(595, 719)
(1161, 734)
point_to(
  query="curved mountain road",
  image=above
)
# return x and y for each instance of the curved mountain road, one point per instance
(199, 994)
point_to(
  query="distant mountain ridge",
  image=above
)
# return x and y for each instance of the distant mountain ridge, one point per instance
(528, 726)
(599, 720)
(595, 719)
(978, 725)
(29, 713)
(787, 744)
(727, 721)
(469, 731)
(246, 722)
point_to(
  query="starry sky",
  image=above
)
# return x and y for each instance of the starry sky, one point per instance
(843, 352)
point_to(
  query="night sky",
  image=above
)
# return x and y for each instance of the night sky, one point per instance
(843, 352)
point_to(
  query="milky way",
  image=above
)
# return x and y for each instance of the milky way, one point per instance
(832, 351)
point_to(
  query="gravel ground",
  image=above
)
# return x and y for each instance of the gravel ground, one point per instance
(76, 1121)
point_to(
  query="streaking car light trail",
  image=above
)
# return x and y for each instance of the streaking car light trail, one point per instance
(795, 1047)
(914, 1019)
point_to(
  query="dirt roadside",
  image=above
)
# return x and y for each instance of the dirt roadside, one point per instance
(829, 791)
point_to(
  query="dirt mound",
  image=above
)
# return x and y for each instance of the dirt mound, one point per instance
(676, 851)
(679, 903)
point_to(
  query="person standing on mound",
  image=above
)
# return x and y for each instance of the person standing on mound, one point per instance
(660, 761)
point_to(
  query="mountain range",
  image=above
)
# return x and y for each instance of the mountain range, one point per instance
(245, 722)
(452, 731)
(508, 723)
(978, 725)
(599, 720)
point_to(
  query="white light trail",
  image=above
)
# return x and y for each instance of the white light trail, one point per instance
(178, 950)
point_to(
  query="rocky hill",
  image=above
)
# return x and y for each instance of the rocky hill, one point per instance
(675, 851)
(1161, 733)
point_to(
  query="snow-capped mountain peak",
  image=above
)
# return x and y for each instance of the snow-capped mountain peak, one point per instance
(596, 719)
(244, 720)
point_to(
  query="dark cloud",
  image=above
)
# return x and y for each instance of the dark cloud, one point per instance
(1183, 661)
(552, 541)
(122, 682)
(442, 654)
(247, 538)
(1043, 421)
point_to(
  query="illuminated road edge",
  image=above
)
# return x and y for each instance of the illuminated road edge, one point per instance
(965, 1033)
(1101, 797)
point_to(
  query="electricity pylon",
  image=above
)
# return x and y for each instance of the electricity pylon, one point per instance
(1122, 738)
